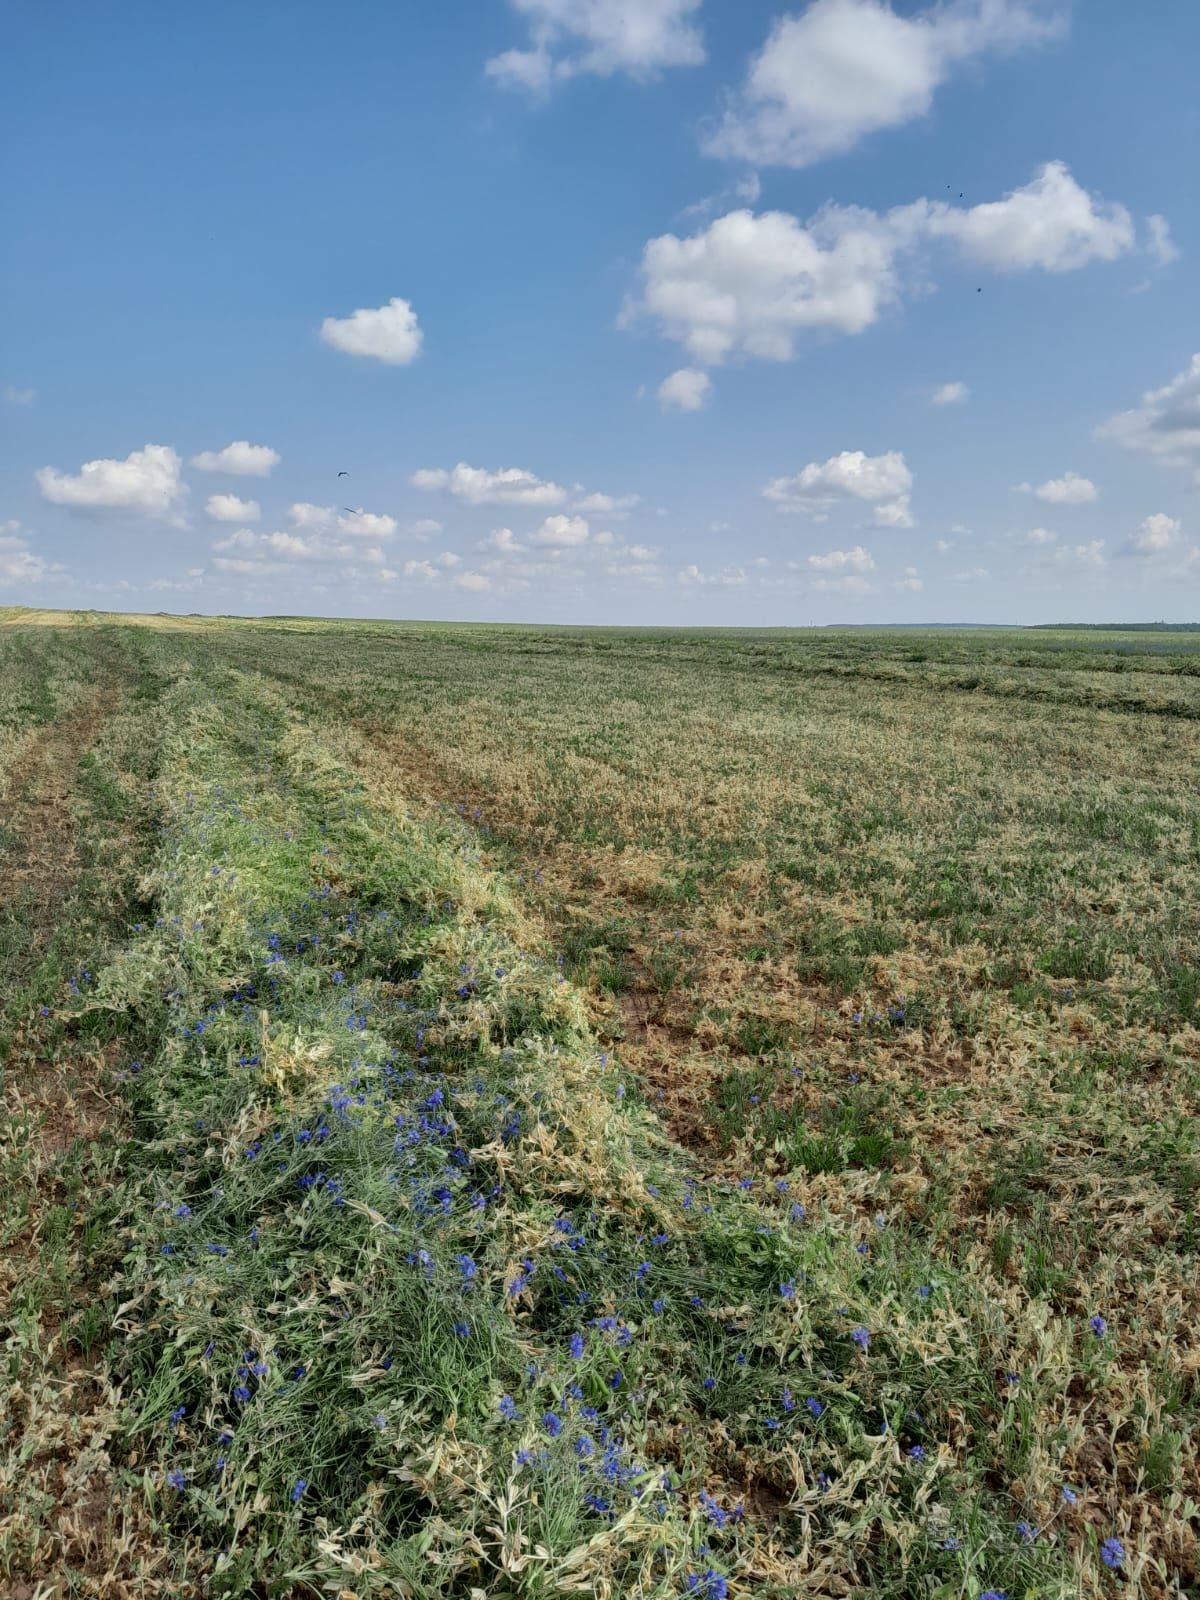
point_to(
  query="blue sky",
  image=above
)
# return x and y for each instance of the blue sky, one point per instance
(611, 310)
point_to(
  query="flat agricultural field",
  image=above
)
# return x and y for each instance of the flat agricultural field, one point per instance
(519, 1112)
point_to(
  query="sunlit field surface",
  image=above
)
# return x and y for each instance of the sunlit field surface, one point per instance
(524, 1112)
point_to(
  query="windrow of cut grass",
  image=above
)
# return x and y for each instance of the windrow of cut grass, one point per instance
(416, 1298)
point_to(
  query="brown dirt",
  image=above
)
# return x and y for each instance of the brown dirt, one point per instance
(57, 1510)
(37, 885)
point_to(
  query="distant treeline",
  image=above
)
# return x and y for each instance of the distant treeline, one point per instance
(1119, 627)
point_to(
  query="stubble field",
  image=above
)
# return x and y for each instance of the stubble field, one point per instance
(519, 1112)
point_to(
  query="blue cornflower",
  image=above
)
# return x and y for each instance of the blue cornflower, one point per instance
(616, 1380)
(788, 1289)
(994, 1594)
(1098, 1326)
(178, 1415)
(462, 1329)
(508, 1408)
(917, 1453)
(814, 1406)
(1027, 1531)
(177, 1479)
(524, 1457)
(710, 1383)
(1112, 1553)
(576, 1347)
(467, 1267)
(241, 1393)
(552, 1423)
(952, 1544)
(862, 1338)
(298, 1489)
(1069, 1495)
(707, 1585)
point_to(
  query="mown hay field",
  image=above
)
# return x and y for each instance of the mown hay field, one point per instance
(517, 1112)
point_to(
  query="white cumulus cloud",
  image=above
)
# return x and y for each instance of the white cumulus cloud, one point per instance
(362, 524)
(477, 486)
(241, 566)
(19, 562)
(1052, 223)
(147, 482)
(856, 560)
(1159, 243)
(241, 459)
(842, 69)
(228, 508)
(685, 390)
(726, 578)
(295, 547)
(609, 505)
(243, 539)
(1090, 554)
(754, 284)
(504, 541)
(602, 37)
(18, 397)
(884, 480)
(1166, 426)
(1157, 534)
(1070, 490)
(951, 394)
(560, 532)
(387, 333)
